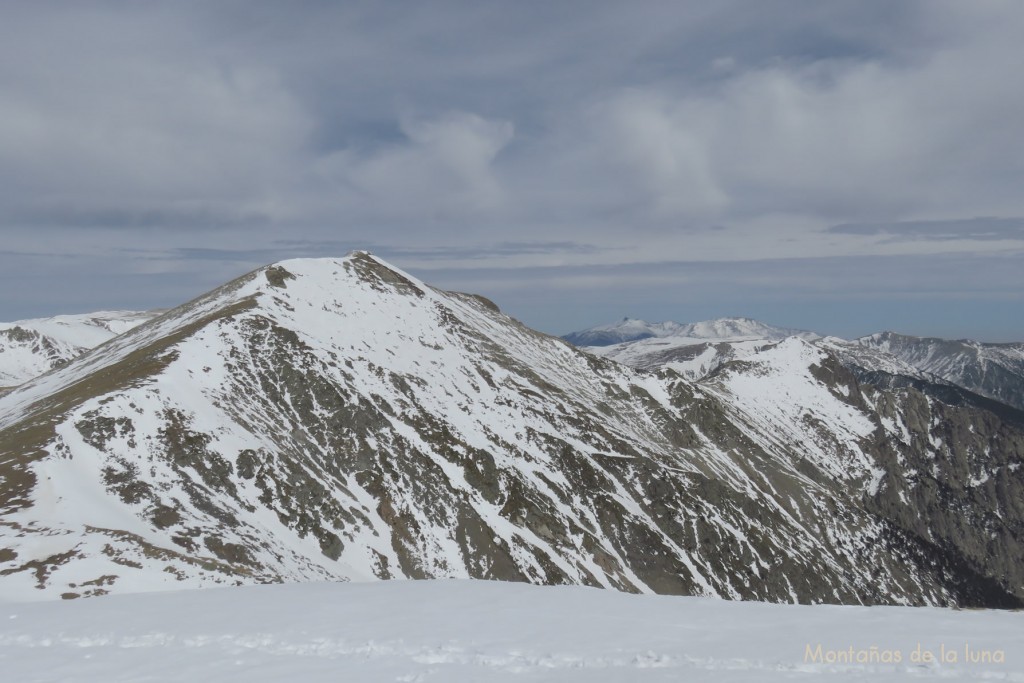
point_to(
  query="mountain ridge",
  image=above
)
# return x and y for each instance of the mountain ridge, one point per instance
(339, 419)
(992, 370)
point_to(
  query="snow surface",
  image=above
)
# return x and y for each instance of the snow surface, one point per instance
(456, 630)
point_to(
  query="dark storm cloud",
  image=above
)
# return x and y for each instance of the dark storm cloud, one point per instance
(963, 229)
(194, 139)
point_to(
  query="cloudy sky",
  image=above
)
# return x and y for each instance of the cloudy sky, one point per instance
(844, 167)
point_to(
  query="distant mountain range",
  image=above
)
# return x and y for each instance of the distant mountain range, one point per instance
(995, 371)
(720, 329)
(339, 419)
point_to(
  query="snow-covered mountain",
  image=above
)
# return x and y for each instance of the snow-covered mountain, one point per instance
(992, 370)
(720, 329)
(339, 419)
(694, 350)
(31, 347)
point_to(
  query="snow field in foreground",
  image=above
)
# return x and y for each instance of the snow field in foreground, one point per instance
(484, 631)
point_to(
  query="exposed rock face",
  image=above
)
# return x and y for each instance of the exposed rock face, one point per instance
(339, 419)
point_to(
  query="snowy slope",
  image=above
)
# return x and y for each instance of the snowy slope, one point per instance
(339, 419)
(776, 391)
(470, 631)
(691, 357)
(31, 347)
(720, 329)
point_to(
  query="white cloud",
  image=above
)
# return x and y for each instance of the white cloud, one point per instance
(121, 112)
(655, 145)
(444, 165)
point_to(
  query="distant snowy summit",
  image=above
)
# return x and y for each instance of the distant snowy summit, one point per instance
(720, 329)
